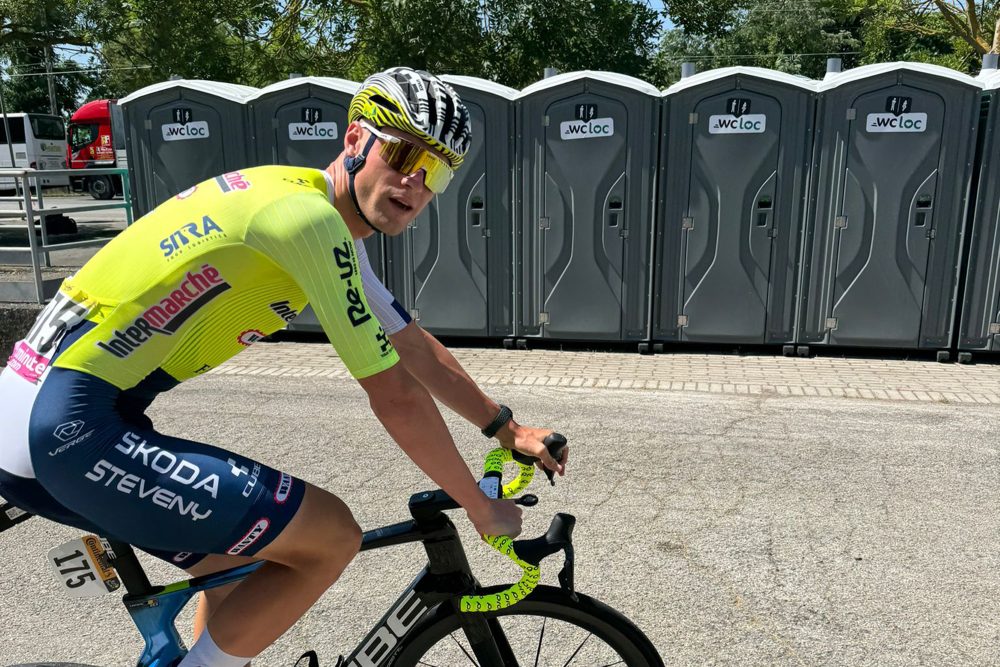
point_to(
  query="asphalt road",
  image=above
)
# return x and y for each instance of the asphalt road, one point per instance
(735, 530)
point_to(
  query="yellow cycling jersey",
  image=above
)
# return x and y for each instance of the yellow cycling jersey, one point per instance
(213, 270)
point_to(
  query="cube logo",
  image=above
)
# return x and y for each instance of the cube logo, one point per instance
(69, 430)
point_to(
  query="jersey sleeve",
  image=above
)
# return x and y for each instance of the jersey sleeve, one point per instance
(306, 237)
(390, 313)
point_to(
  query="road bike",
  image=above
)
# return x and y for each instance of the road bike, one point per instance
(444, 618)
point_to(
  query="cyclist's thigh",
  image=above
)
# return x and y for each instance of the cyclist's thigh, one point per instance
(160, 493)
(323, 529)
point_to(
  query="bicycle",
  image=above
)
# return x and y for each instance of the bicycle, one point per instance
(443, 618)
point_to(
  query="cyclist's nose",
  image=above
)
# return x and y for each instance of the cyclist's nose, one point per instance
(416, 179)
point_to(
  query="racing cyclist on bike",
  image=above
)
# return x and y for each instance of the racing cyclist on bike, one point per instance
(204, 275)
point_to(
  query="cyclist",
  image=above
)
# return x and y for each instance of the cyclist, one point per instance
(204, 275)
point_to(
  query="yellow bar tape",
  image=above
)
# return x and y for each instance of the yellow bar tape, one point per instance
(495, 462)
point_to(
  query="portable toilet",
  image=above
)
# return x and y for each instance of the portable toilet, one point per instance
(980, 324)
(300, 121)
(452, 269)
(734, 167)
(588, 170)
(892, 167)
(182, 132)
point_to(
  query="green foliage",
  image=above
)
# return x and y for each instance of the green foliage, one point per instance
(27, 91)
(797, 36)
(439, 36)
(526, 37)
(258, 42)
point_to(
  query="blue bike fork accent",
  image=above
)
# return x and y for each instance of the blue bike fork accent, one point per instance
(155, 615)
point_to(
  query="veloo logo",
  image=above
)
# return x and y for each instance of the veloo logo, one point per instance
(314, 132)
(887, 122)
(196, 129)
(754, 123)
(587, 129)
(398, 622)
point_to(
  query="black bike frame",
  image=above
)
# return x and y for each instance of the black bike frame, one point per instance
(445, 579)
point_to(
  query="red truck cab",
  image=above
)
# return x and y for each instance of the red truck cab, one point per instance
(96, 136)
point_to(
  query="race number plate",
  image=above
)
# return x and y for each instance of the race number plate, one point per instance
(82, 568)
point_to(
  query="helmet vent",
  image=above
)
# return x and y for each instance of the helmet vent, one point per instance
(384, 102)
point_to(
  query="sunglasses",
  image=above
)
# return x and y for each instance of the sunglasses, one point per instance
(407, 158)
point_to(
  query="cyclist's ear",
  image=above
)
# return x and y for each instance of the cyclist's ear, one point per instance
(354, 139)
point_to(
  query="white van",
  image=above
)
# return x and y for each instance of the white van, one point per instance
(39, 142)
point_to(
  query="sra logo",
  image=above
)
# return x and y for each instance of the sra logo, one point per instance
(889, 122)
(755, 123)
(197, 129)
(191, 233)
(587, 129)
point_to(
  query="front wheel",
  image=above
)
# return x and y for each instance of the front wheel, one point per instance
(547, 628)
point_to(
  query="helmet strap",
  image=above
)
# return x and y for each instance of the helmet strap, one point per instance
(353, 164)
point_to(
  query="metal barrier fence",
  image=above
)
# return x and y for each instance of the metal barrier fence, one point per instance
(33, 212)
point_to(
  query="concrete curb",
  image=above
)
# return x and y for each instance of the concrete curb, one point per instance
(15, 321)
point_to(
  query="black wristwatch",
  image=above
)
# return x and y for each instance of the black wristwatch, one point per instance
(504, 416)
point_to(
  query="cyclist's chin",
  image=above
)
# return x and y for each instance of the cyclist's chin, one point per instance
(394, 219)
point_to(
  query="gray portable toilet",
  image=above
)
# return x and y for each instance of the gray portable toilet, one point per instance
(980, 324)
(452, 269)
(181, 132)
(734, 168)
(588, 166)
(891, 173)
(300, 121)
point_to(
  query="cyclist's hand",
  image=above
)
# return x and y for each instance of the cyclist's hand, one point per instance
(500, 517)
(530, 441)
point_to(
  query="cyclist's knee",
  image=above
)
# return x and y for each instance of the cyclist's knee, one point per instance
(322, 538)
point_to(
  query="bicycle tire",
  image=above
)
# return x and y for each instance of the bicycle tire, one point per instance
(589, 615)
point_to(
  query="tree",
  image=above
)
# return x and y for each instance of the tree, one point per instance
(524, 37)
(440, 37)
(795, 37)
(27, 88)
(976, 24)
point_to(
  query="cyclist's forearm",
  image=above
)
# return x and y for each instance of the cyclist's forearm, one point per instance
(414, 422)
(439, 371)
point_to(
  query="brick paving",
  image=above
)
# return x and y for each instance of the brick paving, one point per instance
(873, 379)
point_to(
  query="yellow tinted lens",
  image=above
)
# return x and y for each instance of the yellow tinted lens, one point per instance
(407, 158)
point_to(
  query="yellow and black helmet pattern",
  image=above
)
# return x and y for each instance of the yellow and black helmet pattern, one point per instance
(418, 103)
